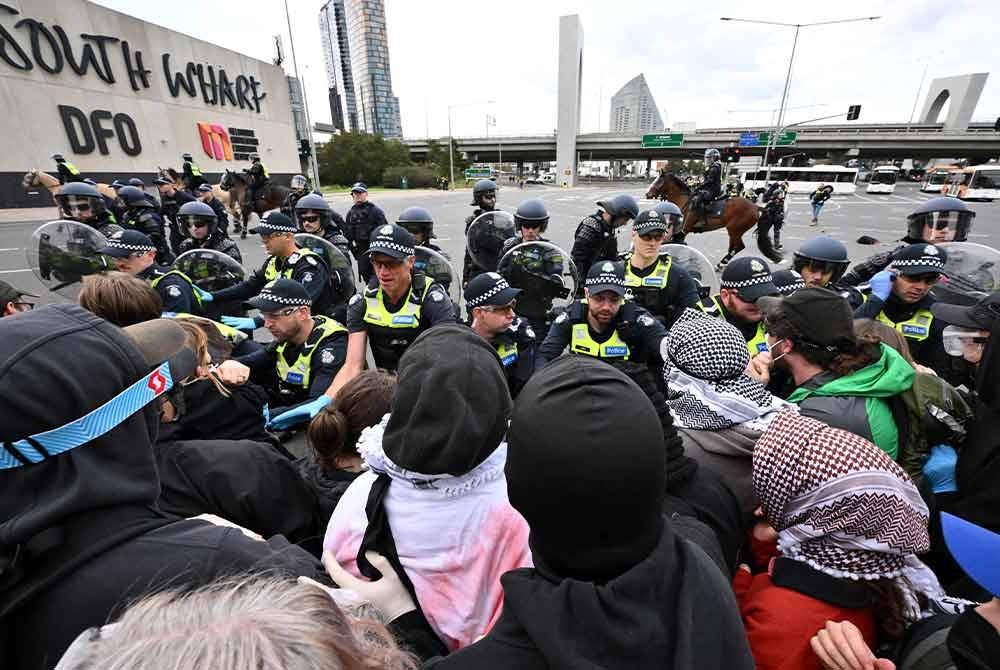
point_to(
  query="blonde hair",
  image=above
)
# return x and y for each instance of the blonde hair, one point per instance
(250, 622)
(197, 340)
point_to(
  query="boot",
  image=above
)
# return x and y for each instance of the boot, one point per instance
(777, 240)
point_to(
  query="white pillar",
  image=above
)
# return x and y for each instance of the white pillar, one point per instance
(570, 84)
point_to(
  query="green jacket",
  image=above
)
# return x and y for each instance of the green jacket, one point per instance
(888, 377)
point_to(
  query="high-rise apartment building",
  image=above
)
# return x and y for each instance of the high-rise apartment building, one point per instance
(356, 51)
(633, 109)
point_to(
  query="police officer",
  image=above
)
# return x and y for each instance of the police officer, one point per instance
(315, 216)
(674, 217)
(83, 203)
(285, 259)
(420, 224)
(201, 224)
(774, 209)
(655, 283)
(141, 216)
(901, 298)
(192, 173)
(484, 199)
(595, 237)
(67, 171)
(491, 303)
(710, 187)
(134, 253)
(822, 262)
(531, 220)
(787, 281)
(362, 218)
(604, 324)
(941, 219)
(744, 281)
(171, 200)
(306, 353)
(206, 195)
(258, 176)
(298, 186)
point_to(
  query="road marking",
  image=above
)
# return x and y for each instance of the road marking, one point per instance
(9, 272)
(11, 249)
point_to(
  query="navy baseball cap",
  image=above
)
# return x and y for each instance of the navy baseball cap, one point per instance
(981, 316)
(124, 243)
(279, 294)
(648, 221)
(489, 288)
(919, 259)
(392, 240)
(606, 276)
(275, 222)
(359, 187)
(750, 277)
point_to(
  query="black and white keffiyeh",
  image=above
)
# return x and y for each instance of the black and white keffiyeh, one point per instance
(705, 360)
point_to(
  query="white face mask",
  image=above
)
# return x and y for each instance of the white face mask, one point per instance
(770, 349)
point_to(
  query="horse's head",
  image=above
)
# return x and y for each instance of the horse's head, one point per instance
(227, 180)
(30, 178)
(656, 187)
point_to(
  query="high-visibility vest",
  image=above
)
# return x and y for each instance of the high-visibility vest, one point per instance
(299, 372)
(756, 344)
(917, 327)
(583, 343)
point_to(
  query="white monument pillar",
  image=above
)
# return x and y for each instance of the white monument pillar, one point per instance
(570, 80)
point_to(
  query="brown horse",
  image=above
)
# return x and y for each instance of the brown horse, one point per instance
(36, 178)
(230, 203)
(270, 196)
(738, 216)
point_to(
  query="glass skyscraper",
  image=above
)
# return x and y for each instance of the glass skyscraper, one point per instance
(356, 51)
(633, 109)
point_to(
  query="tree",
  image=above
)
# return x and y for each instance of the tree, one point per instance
(437, 159)
(351, 157)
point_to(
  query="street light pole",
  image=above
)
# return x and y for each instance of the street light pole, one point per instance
(451, 138)
(773, 139)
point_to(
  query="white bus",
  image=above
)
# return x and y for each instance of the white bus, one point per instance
(979, 182)
(936, 178)
(805, 179)
(883, 179)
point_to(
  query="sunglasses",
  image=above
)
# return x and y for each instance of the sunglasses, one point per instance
(654, 235)
(309, 219)
(288, 311)
(500, 309)
(84, 207)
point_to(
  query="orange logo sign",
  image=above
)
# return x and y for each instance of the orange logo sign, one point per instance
(215, 141)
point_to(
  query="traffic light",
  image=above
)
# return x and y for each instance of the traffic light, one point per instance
(853, 112)
(733, 154)
(305, 151)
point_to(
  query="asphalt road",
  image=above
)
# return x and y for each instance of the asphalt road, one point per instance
(844, 217)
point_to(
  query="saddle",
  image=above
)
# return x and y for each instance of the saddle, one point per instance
(709, 209)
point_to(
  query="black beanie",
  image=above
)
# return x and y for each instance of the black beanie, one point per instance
(451, 405)
(585, 467)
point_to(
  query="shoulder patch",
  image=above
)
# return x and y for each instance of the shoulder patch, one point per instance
(437, 296)
(562, 317)
(307, 277)
(326, 357)
(354, 299)
(294, 258)
(311, 260)
(174, 291)
(646, 320)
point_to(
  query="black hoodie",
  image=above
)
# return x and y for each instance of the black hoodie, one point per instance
(80, 535)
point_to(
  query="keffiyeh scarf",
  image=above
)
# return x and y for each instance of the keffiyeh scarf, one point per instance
(705, 360)
(842, 506)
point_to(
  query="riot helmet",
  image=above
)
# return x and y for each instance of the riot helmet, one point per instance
(58, 158)
(822, 254)
(622, 209)
(138, 183)
(133, 196)
(254, 157)
(484, 188)
(711, 156)
(419, 222)
(197, 215)
(531, 214)
(298, 183)
(942, 219)
(313, 213)
(80, 202)
(673, 216)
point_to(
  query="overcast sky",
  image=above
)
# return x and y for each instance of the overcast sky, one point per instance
(447, 52)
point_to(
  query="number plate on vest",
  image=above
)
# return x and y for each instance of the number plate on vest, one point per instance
(616, 351)
(914, 330)
(652, 281)
(404, 319)
(294, 378)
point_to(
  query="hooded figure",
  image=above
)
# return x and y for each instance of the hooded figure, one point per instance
(80, 534)
(613, 586)
(434, 501)
(718, 409)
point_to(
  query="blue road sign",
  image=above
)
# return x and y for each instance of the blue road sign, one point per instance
(749, 140)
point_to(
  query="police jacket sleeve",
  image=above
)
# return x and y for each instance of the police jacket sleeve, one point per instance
(686, 289)
(586, 240)
(555, 342)
(313, 275)
(176, 295)
(437, 307)
(867, 269)
(377, 218)
(651, 332)
(330, 357)
(870, 308)
(259, 359)
(245, 290)
(338, 220)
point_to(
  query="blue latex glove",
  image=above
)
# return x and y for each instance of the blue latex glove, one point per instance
(202, 294)
(940, 468)
(299, 414)
(240, 322)
(881, 284)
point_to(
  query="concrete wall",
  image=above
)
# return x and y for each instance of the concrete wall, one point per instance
(132, 107)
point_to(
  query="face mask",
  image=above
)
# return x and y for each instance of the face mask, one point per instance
(770, 350)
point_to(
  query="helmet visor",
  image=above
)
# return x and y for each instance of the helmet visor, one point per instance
(80, 205)
(191, 221)
(298, 182)
(940, 226)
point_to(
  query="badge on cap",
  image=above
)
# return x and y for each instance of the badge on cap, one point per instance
(385, 230)
(930, 250)
(756, 266)
(608, 267)
(270, 284)
(653, 214)
(494, 276)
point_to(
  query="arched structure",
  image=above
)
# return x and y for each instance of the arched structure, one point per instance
(963, 91)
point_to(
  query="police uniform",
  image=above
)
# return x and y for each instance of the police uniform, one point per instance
(102, 220)
(914, 321)
(169, 205)
(392, 326)
(298, 373)
(67, 171)
(516, 347)
(538, 271)
(217, 240)
(751, 279)
(304, 266)
(662, 287)
(192, 175)
(470, 268)
(145, 220)
(362, 218)
(633, 334)
(176, 289)
(595, 239)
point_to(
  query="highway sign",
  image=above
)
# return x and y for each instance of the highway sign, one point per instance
(662, 140)
(784, 139)
(478, 173)
(749, 140)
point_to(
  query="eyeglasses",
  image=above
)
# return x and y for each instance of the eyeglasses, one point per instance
(387, 264)
(288, 311)
(309, 219)
(500, 309)
(656, 235)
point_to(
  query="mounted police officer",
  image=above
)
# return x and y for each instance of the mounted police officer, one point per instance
(822, 262)
(206, 195)
(710, 187)
(67, 171)
(655, 283)
(595, 238)
(744, 281)
(362, 218)
(285, 259)
(604, 324)
(135, 253)
(941, 219)
(901, 298)
(298, 186)
(83, 203)
(257, 176)
(491, 303)
(141, 216)
(315, 216)
(484, 199)
(201, 224)
(307, 352)
(171, 200)
(192, 173)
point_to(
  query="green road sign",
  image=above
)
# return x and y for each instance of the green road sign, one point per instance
(662, 140)
(478, 173)
(784, 139)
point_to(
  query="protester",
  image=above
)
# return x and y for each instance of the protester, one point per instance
(121, 298)
(434, 501)
(12, 300)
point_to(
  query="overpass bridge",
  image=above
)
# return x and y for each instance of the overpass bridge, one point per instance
(979, 142)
